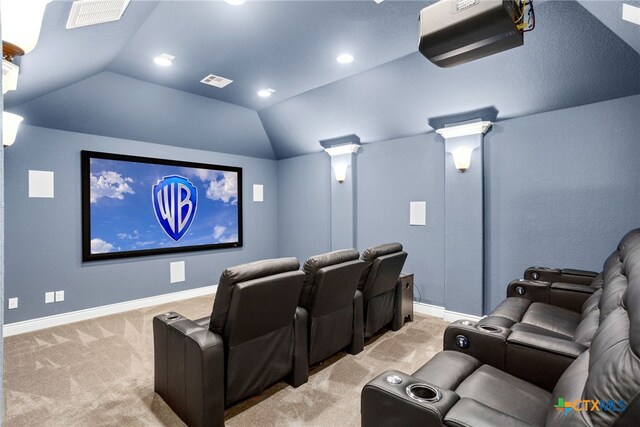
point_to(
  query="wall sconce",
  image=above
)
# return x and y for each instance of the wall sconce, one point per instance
(21, 23)
(341, 172)
(465, 129)
(462, 158)
(10, 124)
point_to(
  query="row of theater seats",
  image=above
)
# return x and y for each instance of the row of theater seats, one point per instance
(562, 350)
(271, 321)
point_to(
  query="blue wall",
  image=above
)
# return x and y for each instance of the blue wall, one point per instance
(304, 206)
(561, 188)
(45, 234)
(390, 175)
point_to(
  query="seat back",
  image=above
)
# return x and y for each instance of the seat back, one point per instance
(254, 313)
(606, 377)
(331, 281)
(378, 281)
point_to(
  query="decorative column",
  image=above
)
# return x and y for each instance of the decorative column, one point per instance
(343, 190)
(464, 217)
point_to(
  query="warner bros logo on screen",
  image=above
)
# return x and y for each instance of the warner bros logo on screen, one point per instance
(175, 200)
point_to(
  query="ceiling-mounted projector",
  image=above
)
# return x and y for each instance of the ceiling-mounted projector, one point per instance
(453, 32)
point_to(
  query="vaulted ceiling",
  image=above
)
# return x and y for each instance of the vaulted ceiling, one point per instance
(101, 79)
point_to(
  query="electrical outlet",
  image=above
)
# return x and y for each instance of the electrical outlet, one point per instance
(13, 303)
(49, 297)
(59, 296)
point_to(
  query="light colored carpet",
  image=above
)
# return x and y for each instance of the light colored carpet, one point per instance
(99, 372)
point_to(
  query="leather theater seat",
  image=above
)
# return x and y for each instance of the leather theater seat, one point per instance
(255, 336)
(564, 310)
(333, 303)
(601, 387)
(380, 288)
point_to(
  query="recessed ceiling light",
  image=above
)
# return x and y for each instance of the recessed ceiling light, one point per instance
(234, 2)
(345, 58)
(266, 92)
(164, 60)
(631, 13)
(378, 1)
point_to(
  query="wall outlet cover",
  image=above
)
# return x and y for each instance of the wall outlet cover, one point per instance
(13, 303)
(59, 296)
(49, 297)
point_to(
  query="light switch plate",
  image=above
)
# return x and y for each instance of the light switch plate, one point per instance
(13, 303)
(59, 296)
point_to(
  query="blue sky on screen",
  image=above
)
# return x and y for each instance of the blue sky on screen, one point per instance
(122, 214)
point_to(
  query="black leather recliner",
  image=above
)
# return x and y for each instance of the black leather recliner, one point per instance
(600, 388)
(537, 340)
(380, 288)
(333, 303)
(255, 336)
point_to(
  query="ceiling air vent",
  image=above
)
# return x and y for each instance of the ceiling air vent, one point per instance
(91, 12)
(216, 81)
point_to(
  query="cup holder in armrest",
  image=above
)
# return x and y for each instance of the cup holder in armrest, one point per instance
(467, 322)
(171, 316)
(489, 328)
(423, 393)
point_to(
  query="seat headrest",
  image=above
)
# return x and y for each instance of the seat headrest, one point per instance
(632, 237)
(243, 273)
(385, 249)
(316, 262)
(256, 270)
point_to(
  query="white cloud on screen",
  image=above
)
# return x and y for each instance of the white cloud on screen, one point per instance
(218, 231)
(110, 184)
(99, 246)
(224, 189)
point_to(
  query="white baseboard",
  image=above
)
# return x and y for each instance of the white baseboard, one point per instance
(105, 310)
(441, 312)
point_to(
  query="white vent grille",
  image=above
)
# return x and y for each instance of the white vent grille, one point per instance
(216, 81)
(91, 12)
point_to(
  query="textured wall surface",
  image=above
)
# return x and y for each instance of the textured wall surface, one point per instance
(390, 175)
(561, 188)
(45, 234)
(304, 206)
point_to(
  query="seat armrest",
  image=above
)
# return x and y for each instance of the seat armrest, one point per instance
(574, 287)
(549, 344)
(570, 295)
(569, 275)
(486, 343)
(189, 369)
(300, 371)
(357, 339)
(387, 404)
(576, 272)
(540, 359)
(534, 290)
(546, 274)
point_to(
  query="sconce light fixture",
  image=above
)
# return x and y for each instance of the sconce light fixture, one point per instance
(337, 150)
(464, 129)
(341, 172)
(10, 124)
(462, 158)
(21, 23)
